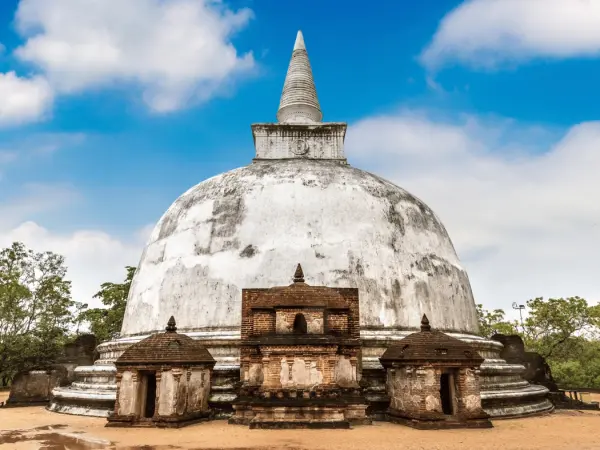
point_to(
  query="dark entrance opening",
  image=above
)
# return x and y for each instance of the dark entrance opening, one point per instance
(446, 393)
(300, 326)
(150, 395)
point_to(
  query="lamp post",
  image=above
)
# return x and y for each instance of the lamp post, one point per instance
(520, 308)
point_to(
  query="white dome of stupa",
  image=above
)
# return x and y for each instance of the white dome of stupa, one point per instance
(298, 202)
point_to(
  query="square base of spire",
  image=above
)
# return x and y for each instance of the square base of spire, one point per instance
(293, 141)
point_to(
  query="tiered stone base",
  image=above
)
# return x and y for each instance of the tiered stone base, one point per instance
(92, 394)
(331, 408)
(504, 393)
(160, 422)
(449, 422)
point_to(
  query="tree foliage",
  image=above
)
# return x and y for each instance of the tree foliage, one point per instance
(492, 322)
(38, 315)
(106, 322)
(36, 309)
(565, 331)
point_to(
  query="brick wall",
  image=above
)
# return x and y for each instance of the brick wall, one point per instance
(468, 392)
(337, 322)
(311, 298)
(263, 322)
(264, 311)
(285, 320)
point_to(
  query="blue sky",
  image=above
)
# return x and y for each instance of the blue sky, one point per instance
(101, 160)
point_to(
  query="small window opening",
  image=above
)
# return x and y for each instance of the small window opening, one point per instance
(300, 326)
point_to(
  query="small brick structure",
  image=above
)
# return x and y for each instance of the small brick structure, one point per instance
(34, 387)
(163, 381)
(300, 358)
(433, 381)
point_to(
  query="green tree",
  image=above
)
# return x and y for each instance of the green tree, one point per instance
(578, 365)
(106, 322)
(551, 323)
(35, 308)
(492, 322)
(565, 331)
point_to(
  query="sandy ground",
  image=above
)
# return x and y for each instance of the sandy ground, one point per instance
(35, 428)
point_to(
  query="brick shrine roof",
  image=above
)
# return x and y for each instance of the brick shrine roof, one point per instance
(430, 346)
(300, 294)
(169, 347)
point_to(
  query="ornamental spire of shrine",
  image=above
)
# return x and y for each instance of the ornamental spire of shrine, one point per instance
(299, 275)
(299, 102)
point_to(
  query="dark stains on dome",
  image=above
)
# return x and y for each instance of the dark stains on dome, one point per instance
(249, 251)
(228, 191)
(433, 265)
(319, 255)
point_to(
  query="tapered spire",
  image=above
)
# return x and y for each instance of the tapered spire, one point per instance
(299, 102)
(425, 323)
(299, 275)
(171, 325)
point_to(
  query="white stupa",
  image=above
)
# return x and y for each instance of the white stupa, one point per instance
(299, 201)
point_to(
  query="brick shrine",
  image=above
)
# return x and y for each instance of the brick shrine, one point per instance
(300, 358)
(433, 381)
(163, 381)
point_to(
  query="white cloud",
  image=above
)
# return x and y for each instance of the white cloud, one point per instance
(179, 51)
(23, 100)
(525, 222)
(486, 33)
(92, 257)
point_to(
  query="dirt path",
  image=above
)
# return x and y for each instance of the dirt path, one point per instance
(34, 427)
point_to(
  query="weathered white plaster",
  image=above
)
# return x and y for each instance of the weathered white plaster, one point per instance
(472, 402)
(315, 375)
(345, 372)
(166, 394)
(432, 403)
(255, 374)
(315, 141)
(284, 375)
(347, 227)
(127, 394)
(400, 384)
(300, 373)
(198, 389)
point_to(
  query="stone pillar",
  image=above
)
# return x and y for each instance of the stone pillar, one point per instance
(157, 397)
(118, 377)
(177, 408)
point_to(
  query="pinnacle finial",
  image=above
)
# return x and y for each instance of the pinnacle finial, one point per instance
(299, 102)
(171, 328)
(299, 275)
(299, 44)
(425, 323)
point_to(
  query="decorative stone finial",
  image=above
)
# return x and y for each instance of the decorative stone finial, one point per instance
(299, 275)
(299, 102)
(425, 323)
(171, 328)
(299, 44)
